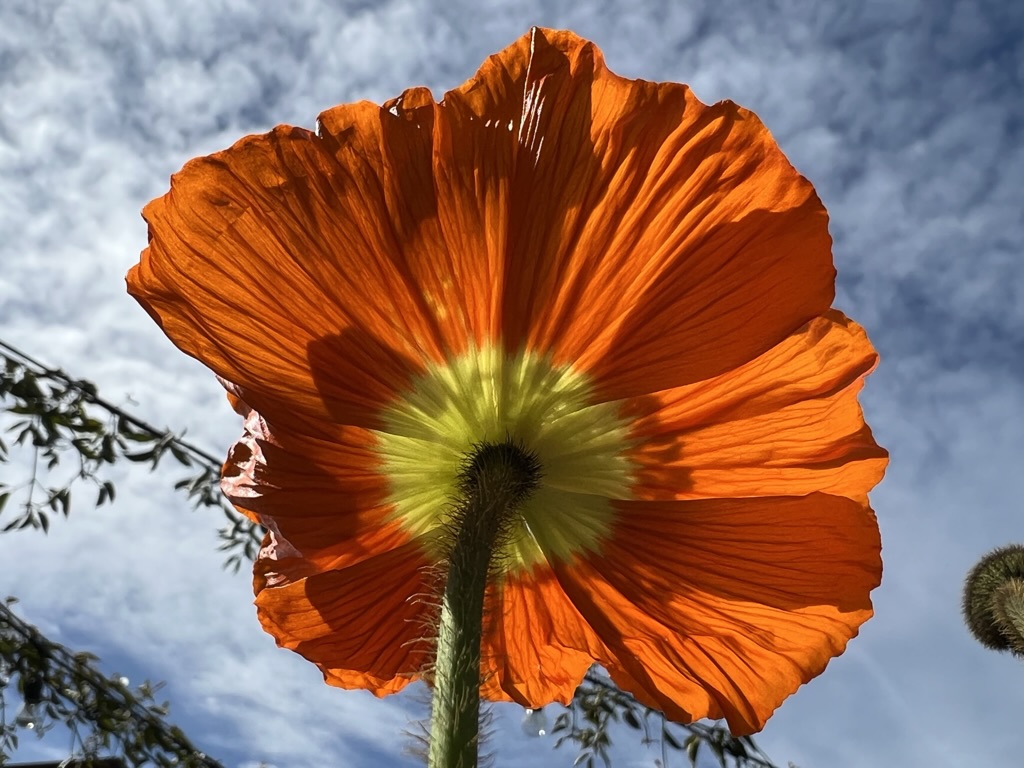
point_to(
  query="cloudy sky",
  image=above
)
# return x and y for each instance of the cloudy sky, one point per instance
(907, 116)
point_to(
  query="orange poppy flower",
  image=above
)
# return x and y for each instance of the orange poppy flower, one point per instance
(634, 285)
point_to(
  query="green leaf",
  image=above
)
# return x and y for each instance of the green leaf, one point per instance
(90, 424)
(107, 452)
(106, 493)
(692, 749)
(136, 436)
(181, 455)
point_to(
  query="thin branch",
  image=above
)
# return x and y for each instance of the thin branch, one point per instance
(73, 691)
(55, 412)
(88, 392)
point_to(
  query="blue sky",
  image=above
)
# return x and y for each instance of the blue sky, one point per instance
(907, 116)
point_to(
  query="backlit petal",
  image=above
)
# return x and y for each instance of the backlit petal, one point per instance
(317, 272)
(536, 645)
(723, 607)
(325, 499)
(252, 269)
(364, 625)
(787, 423)
(654, 241)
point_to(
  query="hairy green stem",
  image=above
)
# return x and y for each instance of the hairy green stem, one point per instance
(496, 480)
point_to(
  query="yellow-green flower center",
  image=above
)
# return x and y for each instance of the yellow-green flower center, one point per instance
(483, 396)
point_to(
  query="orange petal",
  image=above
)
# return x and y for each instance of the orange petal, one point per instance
(318, 272)
(439, 177)
(536, 646)
(786, 424)
(323, 499)
(363, 625)
(257, 267)
(724, 607)
(653, 241)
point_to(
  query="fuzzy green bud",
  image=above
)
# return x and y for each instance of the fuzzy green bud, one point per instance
(994, 600)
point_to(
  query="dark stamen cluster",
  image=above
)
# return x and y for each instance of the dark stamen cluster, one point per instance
(506, 470)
